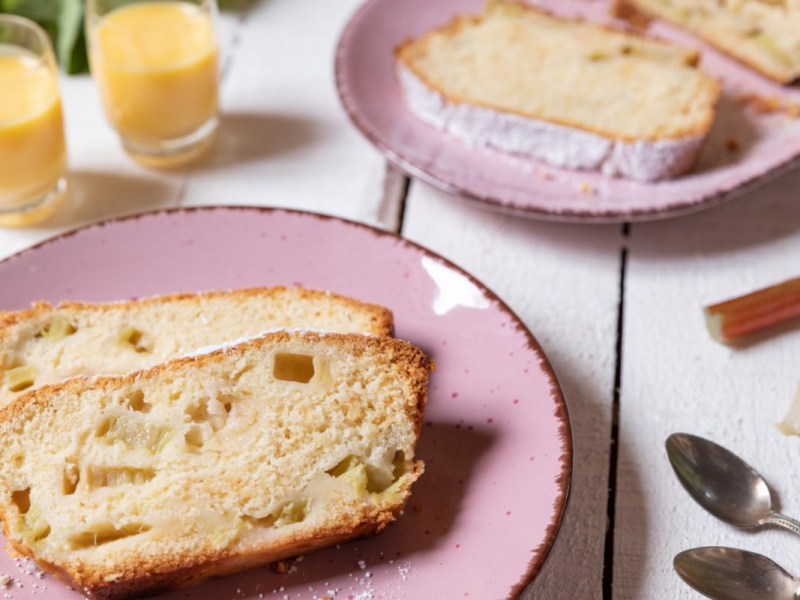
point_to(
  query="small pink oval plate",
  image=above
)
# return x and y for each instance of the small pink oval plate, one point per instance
(496, 441)
(745, 147)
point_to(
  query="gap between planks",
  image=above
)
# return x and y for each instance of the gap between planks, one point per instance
(613, 455)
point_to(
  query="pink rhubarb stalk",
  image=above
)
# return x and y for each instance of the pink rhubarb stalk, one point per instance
(730, 320)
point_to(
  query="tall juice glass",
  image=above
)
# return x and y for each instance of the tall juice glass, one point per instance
(156, 65)
(33, 155)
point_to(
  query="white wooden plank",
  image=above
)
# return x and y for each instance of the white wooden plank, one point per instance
(562, 280)
(675, 378)
(285, 140)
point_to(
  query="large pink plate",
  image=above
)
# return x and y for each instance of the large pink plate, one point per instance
(765, 144)
(496, 442)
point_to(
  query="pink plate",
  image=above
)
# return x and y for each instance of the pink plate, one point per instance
(743, 149)
(496, 441)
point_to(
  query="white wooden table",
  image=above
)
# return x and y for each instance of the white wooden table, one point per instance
(616, 308)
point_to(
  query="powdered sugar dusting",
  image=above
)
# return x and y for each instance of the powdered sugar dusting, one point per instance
(231, 343)
(31, 580)
(365, 581)
(558, 145)
(361, 586)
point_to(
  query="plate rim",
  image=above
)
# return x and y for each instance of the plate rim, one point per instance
(492, 202)
(563, 480)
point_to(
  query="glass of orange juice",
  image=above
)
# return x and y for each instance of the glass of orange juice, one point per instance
(156, 65)
(33, 155)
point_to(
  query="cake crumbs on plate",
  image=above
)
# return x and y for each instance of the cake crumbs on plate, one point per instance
(585, 188)
(404, 571)
(5, 581)
(733, 144)
(771, 104)
(631, 15)
(285, 566)
(761, 104)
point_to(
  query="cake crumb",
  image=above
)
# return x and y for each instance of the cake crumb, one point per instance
(733, 144)
(633, 16)
(761, 104)
(284, 566)
(771, 104)
(5, 581)
(586, 188)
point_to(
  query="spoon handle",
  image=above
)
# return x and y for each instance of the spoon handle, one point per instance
(784, 521)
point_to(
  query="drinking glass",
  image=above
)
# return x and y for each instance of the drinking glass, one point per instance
(156, 66)
(33, 154)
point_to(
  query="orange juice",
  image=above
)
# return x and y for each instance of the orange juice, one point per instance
(32, 149)
(156, 66)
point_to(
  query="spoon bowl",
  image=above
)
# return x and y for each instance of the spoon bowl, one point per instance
(723, 484)
(733, 574)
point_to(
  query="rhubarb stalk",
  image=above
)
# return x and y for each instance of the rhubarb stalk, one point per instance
(730, 320)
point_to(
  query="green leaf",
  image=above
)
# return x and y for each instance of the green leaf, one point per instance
(70, 21)
(63, 22)
(41, 11)
(78, 60)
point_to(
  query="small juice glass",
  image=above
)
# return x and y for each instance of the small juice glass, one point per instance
(156, 65)
(33, 154)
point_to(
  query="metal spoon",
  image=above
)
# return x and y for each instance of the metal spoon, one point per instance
(733, 574)
(723, 483)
